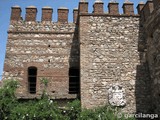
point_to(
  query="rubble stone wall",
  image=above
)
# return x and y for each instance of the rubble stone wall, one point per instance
(51, 47)
(109, 55)
(152, 38)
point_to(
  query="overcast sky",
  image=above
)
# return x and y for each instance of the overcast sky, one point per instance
(5, 10)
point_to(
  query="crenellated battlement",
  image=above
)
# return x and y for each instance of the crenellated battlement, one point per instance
(146, 10)
(87, 58)
(98, 9)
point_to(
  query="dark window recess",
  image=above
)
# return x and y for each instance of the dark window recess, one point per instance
(74, 81)
(32, 79)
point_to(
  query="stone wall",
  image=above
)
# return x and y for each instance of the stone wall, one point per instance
(110, 56)
(152, 37)
(51, 47)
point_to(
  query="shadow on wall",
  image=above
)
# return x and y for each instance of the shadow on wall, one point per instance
(74, 64)
(147, 87)
(143, 80)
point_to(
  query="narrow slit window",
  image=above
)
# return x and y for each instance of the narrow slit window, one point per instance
(32, 79)
(74, 81)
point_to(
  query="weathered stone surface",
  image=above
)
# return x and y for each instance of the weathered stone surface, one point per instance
(51, 47)
(109, 55)
(152, 38)
(30, 26)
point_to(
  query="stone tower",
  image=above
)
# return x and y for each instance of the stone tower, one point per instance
(43, 50)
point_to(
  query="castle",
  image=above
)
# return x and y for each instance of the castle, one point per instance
(101, 58)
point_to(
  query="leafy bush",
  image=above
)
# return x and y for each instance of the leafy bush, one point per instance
(36, 110)
(7, 98)
(100, 113)
(46, 109)
(73, 110)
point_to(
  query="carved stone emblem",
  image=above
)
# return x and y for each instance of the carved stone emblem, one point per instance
(117, 96)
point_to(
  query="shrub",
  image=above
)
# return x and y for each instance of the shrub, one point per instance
(73, 110)
(46, 109)
(36, 110)
(7, 98)
(100, 113)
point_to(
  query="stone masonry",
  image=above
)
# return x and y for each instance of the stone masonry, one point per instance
(151, 13)
(109, 55)
(117, 55)
(51, 47)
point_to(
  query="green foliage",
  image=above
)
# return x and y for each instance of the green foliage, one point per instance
(73, 110)
(36, 110)
(7, 98)
(100, 113)
(8, 89)
(44, 81)
(46, 109)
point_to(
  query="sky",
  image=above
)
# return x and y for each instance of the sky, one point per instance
(5, 11)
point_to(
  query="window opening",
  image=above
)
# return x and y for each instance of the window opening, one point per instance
(32, 79)
(74, 81)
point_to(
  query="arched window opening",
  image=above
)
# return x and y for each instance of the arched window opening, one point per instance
(32, 79)
(74, 81)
